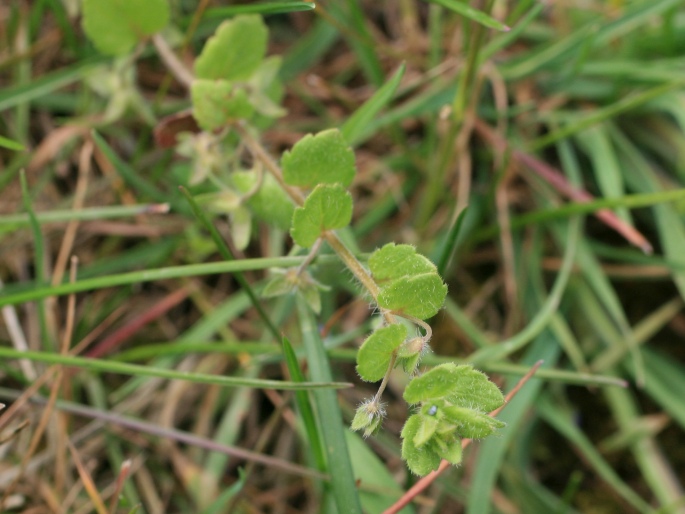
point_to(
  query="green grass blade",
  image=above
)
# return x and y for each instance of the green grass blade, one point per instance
(562, 421)
(308, 49)
(359, 39)
(449, 245)
(493, 449)
(107, 366)
(355, 128)
(633, 201)
(640, 174)
(544, 315)
(134, 178)
(304, 406)
(11, 145)
(621, 106)
(13, 221)
(22, 93)
(646, 452)
(227, 255)
(263, 8)
(38, 260)
(330, 417)
(472, 14)
(504, 40)
(133, 277)
(605, 167)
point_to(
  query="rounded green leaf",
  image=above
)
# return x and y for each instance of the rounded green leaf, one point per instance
(217, 103)
(410, 284)
(420, 461)
(395, 261)
(235, 51)
(474, 390)
(325, 158)
(420, 296)
(374, 355)
(432, 385)
(116, 26)
(328, 207)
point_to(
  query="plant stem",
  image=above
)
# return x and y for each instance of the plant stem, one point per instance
(310, 256)
(259, 153)
(352, 263)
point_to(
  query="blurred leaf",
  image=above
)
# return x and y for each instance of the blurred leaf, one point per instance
(235, 51)
(270, 203)
(216, 103)
(116, 26)
(11, 145)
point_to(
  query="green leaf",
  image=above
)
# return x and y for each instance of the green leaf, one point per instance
(266, 88)
(421, 296)
(278, 285)
(235, 51)
(328, 207)
(116, 26)
(410, 284)
(397, 261)
(220, 202)
(270, 203)
(474, 390)
(218, 102)
(450, 452)
(311, 295)
(426, 430)
(375, 354)
(434, 384)
(420, 461)
(355, 128)
(471, 424)
(11, 145)
(472, 14)
(241, 227)
(410, 363)
(325, 158)
(409, 354)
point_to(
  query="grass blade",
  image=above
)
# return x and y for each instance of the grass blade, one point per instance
(304, 406)
(263, 8)
(472, 14)
(355, 129)
(227, 255)
(108, 366)
(330, 417)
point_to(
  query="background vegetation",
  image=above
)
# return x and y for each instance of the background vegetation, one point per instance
(564, 136)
